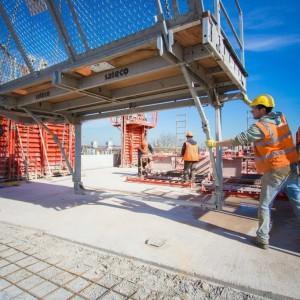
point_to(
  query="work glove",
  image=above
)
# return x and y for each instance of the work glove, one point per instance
(246, 99)
(211, 143)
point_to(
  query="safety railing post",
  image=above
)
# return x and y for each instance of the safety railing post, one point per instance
(217, 15)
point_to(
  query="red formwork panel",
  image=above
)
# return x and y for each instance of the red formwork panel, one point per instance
(28, 151)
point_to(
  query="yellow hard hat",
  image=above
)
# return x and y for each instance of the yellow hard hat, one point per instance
(189, 134)
(264, 99)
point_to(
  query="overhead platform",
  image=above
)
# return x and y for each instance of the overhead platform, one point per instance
(181, 58)
(137, 73)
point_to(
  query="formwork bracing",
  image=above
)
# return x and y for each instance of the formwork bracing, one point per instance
(74, 60)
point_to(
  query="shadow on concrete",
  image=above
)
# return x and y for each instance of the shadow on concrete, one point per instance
(285, 235)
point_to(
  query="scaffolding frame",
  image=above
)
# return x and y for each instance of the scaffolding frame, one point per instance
(163, 50)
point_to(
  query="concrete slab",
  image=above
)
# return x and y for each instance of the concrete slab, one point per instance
(121, 216)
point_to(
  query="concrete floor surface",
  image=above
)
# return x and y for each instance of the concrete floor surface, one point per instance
(120, 216)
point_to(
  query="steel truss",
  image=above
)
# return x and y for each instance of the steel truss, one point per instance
(108, 93)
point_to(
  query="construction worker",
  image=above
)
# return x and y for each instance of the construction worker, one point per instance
(190, 154)
(275, 158)
(145, 151)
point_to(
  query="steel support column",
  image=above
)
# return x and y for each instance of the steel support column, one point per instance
(206, 129)
(77, 172)
(219, 162)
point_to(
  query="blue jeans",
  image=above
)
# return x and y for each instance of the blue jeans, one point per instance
(272, 184)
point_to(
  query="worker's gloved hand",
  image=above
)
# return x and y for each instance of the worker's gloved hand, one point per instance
(211, 143)
(246, 99)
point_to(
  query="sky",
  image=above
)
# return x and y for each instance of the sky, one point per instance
(272, 42)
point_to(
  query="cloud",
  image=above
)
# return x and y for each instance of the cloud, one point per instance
(262, 43)
(264, 18)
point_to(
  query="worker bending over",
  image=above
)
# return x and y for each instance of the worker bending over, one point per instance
(190, 154)
(145, 152)
(275, 158)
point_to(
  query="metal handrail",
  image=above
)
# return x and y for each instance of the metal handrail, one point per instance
(220, 7)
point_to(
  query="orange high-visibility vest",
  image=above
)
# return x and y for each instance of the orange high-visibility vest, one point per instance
(144, 147)
(276, 149)
(191, 152)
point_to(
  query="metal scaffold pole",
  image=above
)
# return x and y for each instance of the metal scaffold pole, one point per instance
(219, 162)
(206, 129)
(77, 172)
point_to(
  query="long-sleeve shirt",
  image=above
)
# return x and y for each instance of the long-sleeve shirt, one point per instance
(254, 133)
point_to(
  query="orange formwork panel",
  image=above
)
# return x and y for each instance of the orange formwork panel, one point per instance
(28, 151)
(133, 127)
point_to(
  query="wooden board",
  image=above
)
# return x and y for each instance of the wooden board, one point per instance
(208, 63)
(120, 61)
(32, 89)
(189, 37)
(135, 56)
(221, 77)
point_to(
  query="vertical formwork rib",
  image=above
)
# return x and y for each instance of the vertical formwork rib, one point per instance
(15, 37)
(54, 136)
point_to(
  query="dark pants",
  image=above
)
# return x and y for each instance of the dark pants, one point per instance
(143, 161)
(189, 170)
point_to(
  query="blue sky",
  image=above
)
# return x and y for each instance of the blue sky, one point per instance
(272, 41)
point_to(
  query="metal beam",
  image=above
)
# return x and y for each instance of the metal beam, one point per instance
(15, 37)
(71, 84)
(128, 92)
(133, 70)
(150, 87)
(196, 52)
(79, 28)
(108, 52)
(61, 29)
(167, 96)
(128, 111)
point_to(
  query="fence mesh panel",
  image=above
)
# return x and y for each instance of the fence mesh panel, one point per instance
(100, 22)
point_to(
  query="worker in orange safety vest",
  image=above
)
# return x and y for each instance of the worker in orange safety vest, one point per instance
(275, 157)
(190, 154)
(145, 152)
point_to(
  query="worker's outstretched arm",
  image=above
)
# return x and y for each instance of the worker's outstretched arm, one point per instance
(225, 143)
(246, 99)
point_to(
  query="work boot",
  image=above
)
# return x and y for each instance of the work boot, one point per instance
(259, 243)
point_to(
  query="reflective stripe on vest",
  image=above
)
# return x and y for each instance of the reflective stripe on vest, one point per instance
(277, 149)
(273, 140)
(276, 153)
(191, 152)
